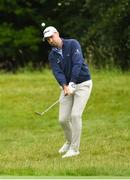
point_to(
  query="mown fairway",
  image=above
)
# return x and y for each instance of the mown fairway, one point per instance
(29, 144)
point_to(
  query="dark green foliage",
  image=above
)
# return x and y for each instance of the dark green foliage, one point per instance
(102, 27)
(108, 35)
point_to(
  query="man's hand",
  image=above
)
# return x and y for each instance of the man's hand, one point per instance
(69, 90)
(66, 90)
(72, 87)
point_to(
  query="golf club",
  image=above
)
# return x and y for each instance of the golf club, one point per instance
(41, 113)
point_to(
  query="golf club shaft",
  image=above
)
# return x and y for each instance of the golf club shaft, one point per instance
(52, 105)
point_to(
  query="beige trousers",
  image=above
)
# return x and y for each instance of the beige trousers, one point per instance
(71, 110)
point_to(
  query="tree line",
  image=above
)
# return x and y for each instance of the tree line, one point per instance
(101, 26)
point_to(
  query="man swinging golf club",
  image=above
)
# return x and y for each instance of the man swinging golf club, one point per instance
(73, 76)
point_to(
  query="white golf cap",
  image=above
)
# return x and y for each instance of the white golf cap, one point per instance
(49, 31)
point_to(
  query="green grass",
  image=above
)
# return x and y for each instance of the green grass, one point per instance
(29, 144)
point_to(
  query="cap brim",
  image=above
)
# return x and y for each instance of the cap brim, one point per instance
(48, 34)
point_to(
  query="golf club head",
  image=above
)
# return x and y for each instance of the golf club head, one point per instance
(38, 113)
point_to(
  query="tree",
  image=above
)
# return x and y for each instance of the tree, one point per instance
(109, 36)
(101, 26)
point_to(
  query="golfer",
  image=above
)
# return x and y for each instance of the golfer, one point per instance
(71, 72)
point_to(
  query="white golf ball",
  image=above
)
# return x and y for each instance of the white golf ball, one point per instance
(43, 24)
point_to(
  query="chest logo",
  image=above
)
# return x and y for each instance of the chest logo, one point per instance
(58, 61)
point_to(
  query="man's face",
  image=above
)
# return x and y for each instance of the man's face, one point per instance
(54, 40)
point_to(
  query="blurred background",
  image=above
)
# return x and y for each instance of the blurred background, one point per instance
(101, 26)
(29, 143)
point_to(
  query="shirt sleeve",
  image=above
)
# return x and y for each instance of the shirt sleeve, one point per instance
(77, 60)
(58, 72)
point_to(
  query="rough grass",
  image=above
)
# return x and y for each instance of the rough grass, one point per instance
(29, 144)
